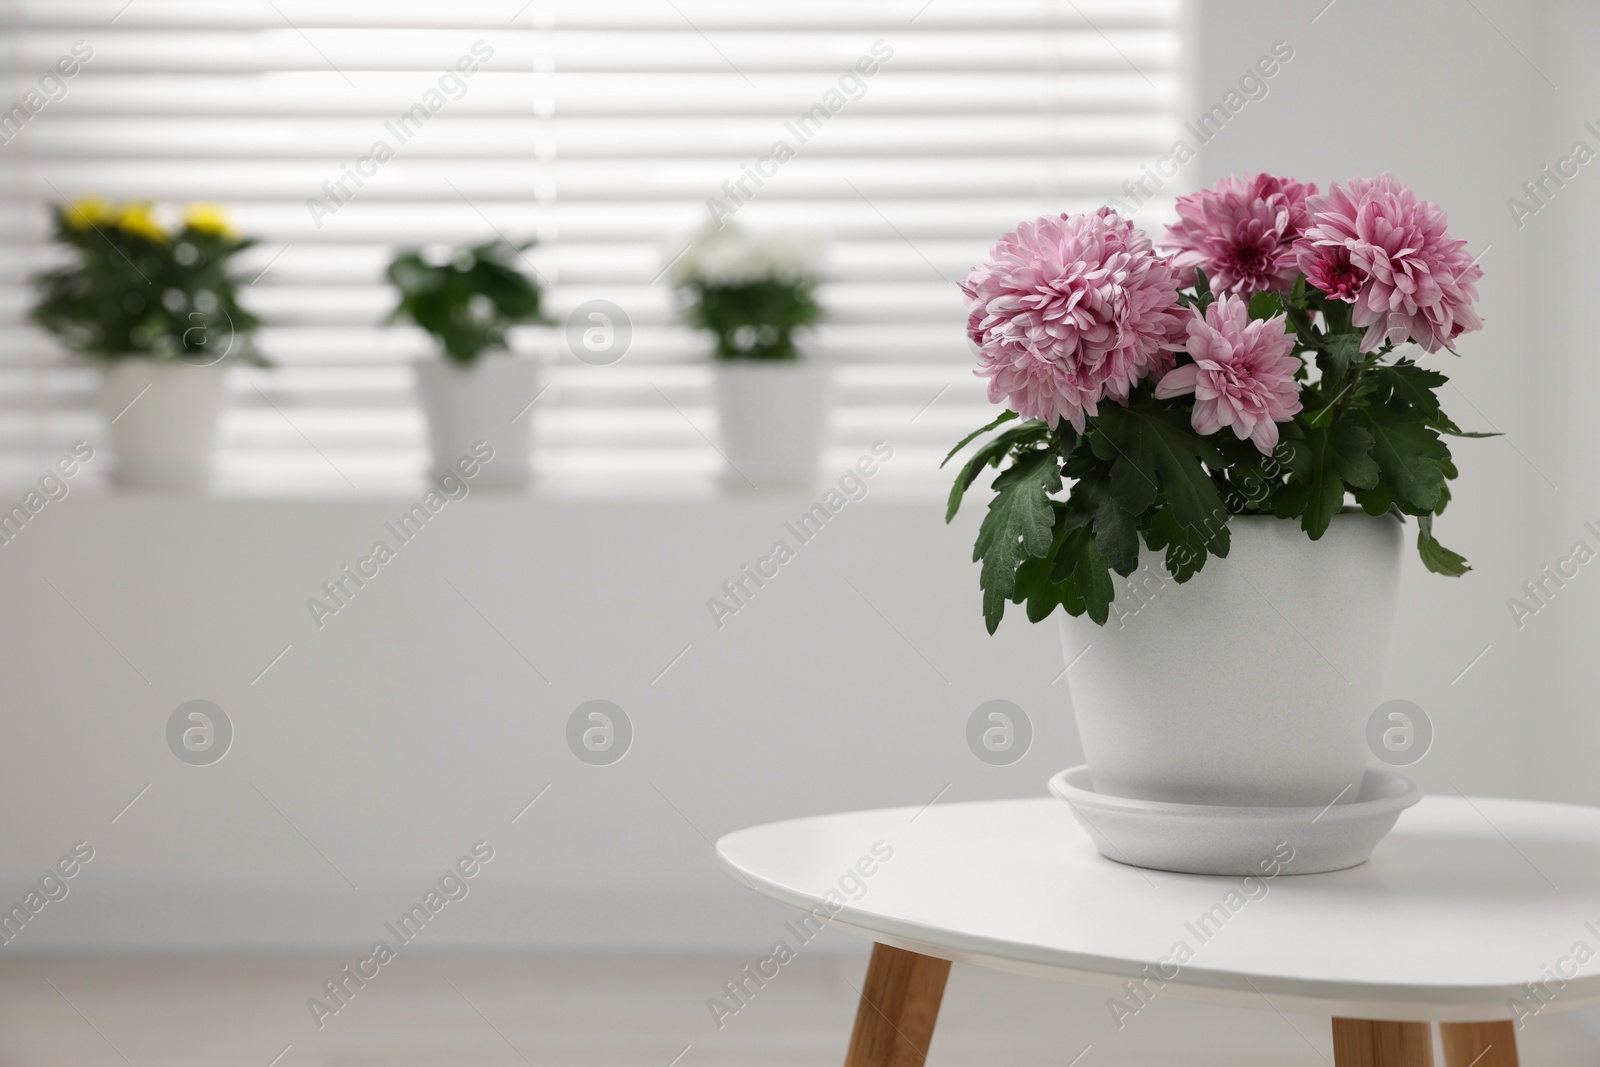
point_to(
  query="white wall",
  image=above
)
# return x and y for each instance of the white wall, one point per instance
(408, 728)
(1563, 377)
(1435, 93)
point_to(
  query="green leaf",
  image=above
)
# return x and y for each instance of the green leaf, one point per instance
(1256, 479)
(992, 454)
(1185, 551)
(1436, 557)
(1116, 534)
(1415, 386)
(1133, 480)
(1264, 305)
(1335, 355)
(1297, 296)
(1336, 313)
(1043, 596)
(1375, 501)
(1000, 420)
(1300, 320)
(1018, 525)
(1087, 573)
(1155, 448)
(1034, 587)
(1413, 459)
(1340, 460)
(1067, 437)
(1412, 385)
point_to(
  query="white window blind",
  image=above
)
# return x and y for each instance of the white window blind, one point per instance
(601, 128)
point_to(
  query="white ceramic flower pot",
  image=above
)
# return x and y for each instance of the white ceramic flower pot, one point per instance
(772, 417)
(484, 402)
(163, 419)
(1252, 683)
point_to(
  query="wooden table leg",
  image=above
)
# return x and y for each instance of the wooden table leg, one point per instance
(899, 1004)
(1479, 1044)
(1368, 1043)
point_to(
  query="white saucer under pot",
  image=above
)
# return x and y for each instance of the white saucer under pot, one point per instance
(1238, 841)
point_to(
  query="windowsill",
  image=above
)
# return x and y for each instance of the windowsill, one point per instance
(658, 491)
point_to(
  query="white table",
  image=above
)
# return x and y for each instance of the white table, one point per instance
(1465, 902)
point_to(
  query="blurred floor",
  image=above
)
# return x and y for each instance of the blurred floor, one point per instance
(505, 1010)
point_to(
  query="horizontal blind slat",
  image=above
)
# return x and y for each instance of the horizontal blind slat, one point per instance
(604, 130)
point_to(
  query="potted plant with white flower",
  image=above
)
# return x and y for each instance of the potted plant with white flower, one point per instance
(1257, 411)
(755, 294)
(156, 308)
(468, 299)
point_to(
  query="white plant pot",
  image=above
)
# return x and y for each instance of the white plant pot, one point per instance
(1252, 683)
(487, 401)
(772, 417)
(163, 419)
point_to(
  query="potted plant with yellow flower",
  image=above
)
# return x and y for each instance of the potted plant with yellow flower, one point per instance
(157, 309)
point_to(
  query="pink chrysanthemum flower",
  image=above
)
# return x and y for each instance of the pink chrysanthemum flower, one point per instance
(1241, 234)
(1328, 267)
(1242, 375)
(1373, 244)
(1069, 310)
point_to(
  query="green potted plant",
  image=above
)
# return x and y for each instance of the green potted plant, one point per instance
(156, 307)
(756, 296)
(468, 299)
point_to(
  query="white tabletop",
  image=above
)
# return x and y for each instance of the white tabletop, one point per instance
(1467, 900)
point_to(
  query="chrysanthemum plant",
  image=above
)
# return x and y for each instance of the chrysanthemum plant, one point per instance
(1263, 367)
(135, 287)
(753, 293)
